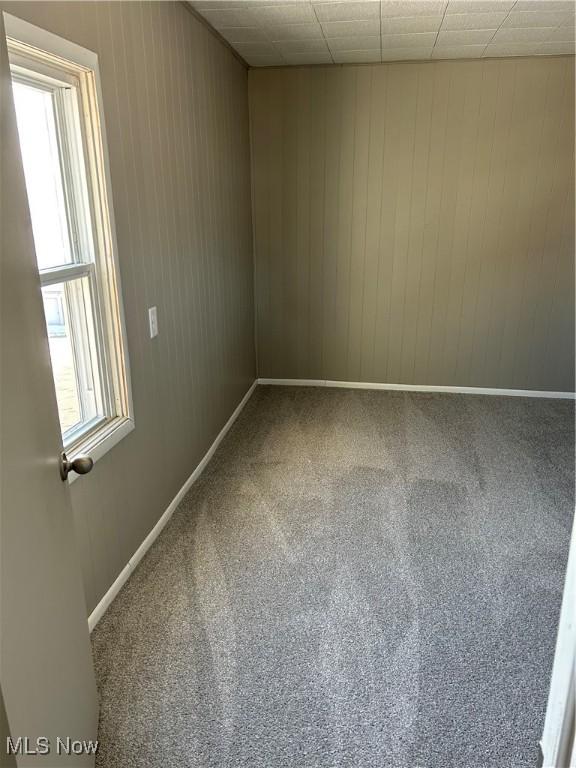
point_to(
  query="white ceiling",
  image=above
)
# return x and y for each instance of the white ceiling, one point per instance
(279, 32)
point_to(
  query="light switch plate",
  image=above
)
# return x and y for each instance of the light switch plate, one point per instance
(153, 321)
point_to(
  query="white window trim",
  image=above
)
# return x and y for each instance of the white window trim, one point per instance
(98, 442)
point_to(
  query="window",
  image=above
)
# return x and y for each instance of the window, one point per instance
(60, 125)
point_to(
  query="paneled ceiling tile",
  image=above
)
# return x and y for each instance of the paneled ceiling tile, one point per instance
(258, 60)
(544, 5)
(214, 5)
(280, 32)
(302, 46)
(406, 54)
(243, 34)
(294, 32)
(561, 35)
(255, 49)
(400, 25)
(340, 28)
(479, 6)
(473, 20)
(282, 13)
(218, 5)
(308, 58)
(536, 19)
(353, 43)
(458, 52)
(511, 49)
(413, 8)
(457, 37)
(416, 40)
(557, 49)
(525, 35)
(356, 57)
(265, 3)
(348, 11)
(230, 18)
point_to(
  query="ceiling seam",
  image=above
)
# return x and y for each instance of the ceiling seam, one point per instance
(205, 23)
(439, 28)
(322, 32)
(381, 42)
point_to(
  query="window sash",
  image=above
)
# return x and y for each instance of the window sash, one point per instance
(81, 343)
(71, 154)
(72, 73)
(66, 272)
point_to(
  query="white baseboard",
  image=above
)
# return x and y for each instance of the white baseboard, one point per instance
(418, 388)
(103, 605)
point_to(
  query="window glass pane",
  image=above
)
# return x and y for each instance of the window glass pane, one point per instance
(42, 170)
(70, 324)
(64, 166)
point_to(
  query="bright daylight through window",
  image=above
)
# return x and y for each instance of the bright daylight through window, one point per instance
(56, 104)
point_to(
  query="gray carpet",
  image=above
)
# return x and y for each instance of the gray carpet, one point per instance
(359, 579)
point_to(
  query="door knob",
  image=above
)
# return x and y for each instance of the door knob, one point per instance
(81, 465)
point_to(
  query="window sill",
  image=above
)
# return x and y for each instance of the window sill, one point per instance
(99, 442)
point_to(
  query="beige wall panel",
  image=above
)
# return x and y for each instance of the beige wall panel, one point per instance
(414, 223)
(175, 102)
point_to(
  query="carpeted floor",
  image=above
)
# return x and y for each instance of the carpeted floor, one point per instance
(359, 579)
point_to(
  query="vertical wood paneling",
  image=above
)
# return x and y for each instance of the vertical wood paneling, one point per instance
(333, 132)
(176, 112)
(374, 181)
(355, 277)
(317, 186)
(442, 205)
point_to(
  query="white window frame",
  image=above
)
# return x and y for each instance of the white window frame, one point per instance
(59, 59)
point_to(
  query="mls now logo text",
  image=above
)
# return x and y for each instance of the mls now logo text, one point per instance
(23, 745)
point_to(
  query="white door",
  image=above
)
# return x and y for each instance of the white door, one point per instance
(46, 674)
(558, 743)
